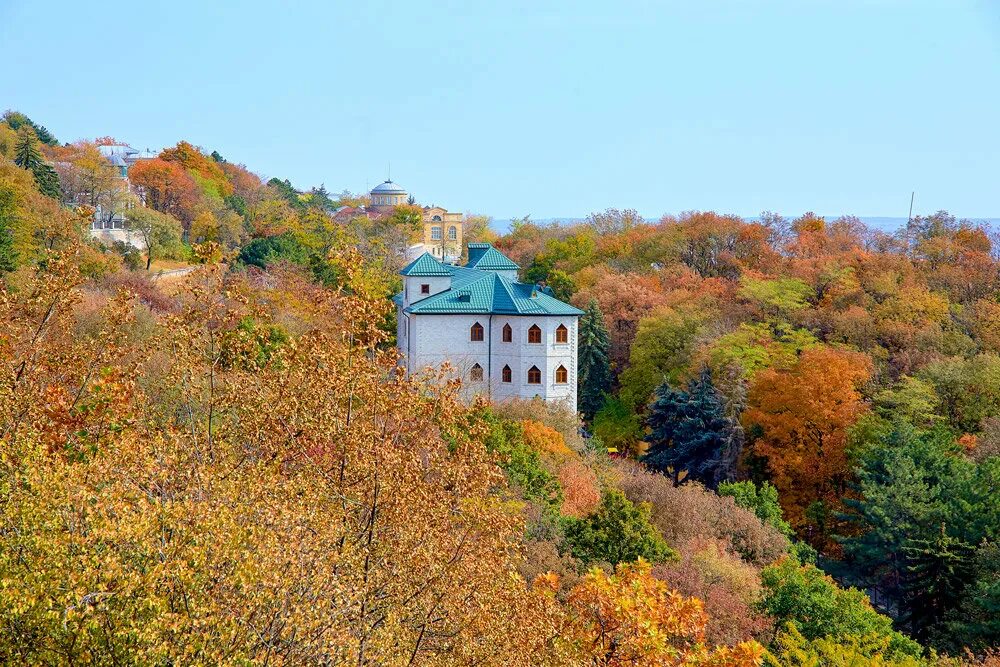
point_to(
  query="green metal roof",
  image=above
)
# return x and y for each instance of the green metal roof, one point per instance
(484, 256)
(477, 291)
(425, 265)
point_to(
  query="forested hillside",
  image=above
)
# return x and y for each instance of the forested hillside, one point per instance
(787, 453)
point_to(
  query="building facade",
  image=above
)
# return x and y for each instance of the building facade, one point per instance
(503, 338)
(442, 230)
(108, 223)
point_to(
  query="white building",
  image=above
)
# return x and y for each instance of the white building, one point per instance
(503, 338)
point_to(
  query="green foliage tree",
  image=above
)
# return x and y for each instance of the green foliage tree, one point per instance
(8, 211)
(15, 120)
(593, 363)
(689, 432)
(520, 462)
(661, 351)
(937, 571)
(265, 251)
(160, 233)
(761, 500)
(618, 531)
(27, 156)
(809, 600)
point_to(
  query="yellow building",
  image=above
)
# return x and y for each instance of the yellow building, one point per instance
(442, 233)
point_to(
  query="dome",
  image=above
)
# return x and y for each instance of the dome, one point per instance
(388, 188)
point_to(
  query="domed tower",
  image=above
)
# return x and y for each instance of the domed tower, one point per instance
(385, 196)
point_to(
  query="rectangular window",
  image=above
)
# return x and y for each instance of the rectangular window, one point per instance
(435, 233)
(425, 289)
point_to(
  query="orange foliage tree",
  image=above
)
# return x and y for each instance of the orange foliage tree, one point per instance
(801, 416)
(630, 618)
(166, 187)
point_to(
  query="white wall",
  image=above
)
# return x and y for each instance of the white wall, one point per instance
(432, 340)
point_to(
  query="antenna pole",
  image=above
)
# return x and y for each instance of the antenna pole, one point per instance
(910, 217)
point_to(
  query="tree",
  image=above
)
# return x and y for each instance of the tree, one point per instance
(8, 254)
(661, 352)
(937, 572)
(689, 432)
(165, 187)
(800, 417)
(761, 500)
(617, 532)
(807, 599)
(27, 156)
(160, 233)
(614, 221)
(630, 618)
(594, 374)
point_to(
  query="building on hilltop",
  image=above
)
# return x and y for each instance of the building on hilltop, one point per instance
(441, 234)
(503, 338)
(109, 225)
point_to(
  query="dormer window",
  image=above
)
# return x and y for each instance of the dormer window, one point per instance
(562, 375)
(476, 373)
(508, 333)
(476, 332)
(562, 334)
(534, 334)
(425, 289)
(534, 375)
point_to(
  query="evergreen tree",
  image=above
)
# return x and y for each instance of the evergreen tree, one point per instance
(938, 571)
(27, 156)
(618, 531)
(689, 432)
(594, 379)
(8, 255)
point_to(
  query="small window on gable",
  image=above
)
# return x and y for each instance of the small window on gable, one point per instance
(508, 333)
(476, 332)
(436, 218)
(476, 373)
(562, 375)
(506, 374)
(534, 334)
(425, 289)
(562, 334)
(534, 375)
(452, 233)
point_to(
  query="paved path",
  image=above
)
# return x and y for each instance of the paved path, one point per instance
(173, 273)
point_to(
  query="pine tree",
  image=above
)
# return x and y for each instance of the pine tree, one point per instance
(27, 156)
(938, 570)
(8, 255)
(594, 379)
(689, 431)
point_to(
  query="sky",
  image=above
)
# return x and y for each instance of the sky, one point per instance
(548, 109)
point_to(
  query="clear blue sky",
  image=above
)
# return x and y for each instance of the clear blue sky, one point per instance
(543, 108)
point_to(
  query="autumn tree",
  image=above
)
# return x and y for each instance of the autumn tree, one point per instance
(800, 418)
(629, 618)
(165, 187)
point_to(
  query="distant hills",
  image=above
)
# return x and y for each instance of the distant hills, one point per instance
(886, 224)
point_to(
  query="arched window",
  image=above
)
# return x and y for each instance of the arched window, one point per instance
(534, 375)
(476, 373)
(534, 334)
(436, 218)
(435, 233)
(506, 374)
(562, 334)
(476, 332)
(453, 233)
(508, 333)
(562, 375)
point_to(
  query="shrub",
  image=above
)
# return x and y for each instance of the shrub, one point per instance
(690, 511)
(619, 531)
